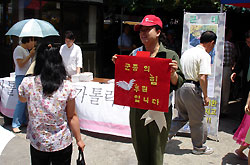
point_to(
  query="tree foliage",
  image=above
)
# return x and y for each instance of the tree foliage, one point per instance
(167, 5)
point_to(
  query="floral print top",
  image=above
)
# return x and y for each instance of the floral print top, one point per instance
(47, 129)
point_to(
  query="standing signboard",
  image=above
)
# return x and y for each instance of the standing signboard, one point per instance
(193, 26)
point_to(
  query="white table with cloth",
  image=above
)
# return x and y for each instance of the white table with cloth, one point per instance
(94, 105)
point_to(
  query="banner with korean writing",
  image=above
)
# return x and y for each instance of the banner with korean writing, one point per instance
(94, 106)
(96, 111)
(142, 82)
(8, 93)
(193, 26)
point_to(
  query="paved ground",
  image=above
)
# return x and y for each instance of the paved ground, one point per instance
(110, 150)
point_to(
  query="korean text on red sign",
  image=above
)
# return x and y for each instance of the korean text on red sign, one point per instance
(142, 82)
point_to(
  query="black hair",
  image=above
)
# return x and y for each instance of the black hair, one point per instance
(69, 35)
(40, 58)
(247, 34)
(162, 37)
(25, 40)
(49, 65)
(208, 36)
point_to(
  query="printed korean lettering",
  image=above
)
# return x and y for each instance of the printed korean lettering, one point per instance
(96, 95)
(211, 111)
(214, 19)
(136, 88)
(11, 89)
(144, 89)
(209, 120)
(155, 101)
(153, 79)
(146, 68)
(1, 86)
(137, 98)
(135, 67)
(109, 95)
(127, 66)
(139, 84)
(193, 19)
(146, 99)
(207, 111)
(83, 90)
(213, 103)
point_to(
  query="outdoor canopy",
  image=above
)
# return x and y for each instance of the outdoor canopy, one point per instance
(240, 3)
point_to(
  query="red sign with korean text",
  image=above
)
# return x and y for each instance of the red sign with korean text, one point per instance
(142, 82)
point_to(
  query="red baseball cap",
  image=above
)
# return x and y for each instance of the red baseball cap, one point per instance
(149, 20)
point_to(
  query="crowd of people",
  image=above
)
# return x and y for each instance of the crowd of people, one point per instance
(49, 95)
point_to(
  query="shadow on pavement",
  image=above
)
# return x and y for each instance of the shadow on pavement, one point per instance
(227, 124)
(231, 120)
(232, 159)
(9, 127)
(173, 147)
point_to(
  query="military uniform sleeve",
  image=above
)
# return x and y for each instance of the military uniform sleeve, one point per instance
(181, 77)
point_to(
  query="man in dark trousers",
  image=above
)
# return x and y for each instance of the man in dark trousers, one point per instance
(196, 65)
(243, 65)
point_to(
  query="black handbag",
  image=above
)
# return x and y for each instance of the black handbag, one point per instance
(80, 160)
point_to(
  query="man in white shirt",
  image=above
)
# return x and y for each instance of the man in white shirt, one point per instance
(71, 54)
(196, 65)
